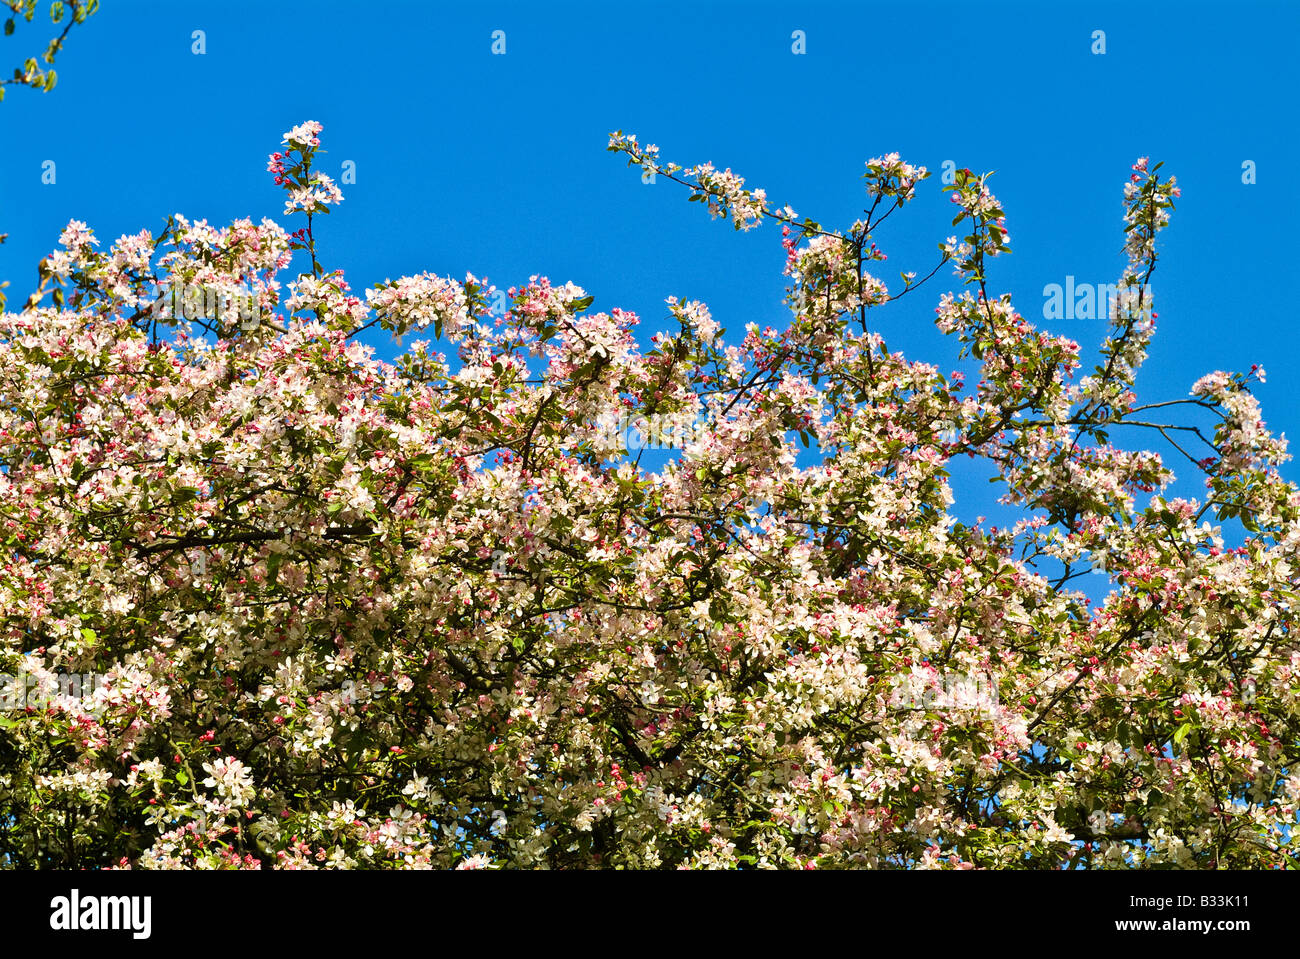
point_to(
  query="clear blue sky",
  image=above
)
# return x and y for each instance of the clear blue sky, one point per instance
(497, 164)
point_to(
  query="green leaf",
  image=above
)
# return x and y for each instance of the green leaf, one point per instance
(181, 777)
(1181, 733)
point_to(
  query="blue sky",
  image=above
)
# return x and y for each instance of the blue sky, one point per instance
(496, 164)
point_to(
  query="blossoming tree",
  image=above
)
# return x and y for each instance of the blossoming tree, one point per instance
(344, 612)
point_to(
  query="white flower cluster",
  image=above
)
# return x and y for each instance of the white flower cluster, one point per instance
(420, 301)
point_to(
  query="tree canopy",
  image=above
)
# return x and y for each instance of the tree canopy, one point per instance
(267, 600)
